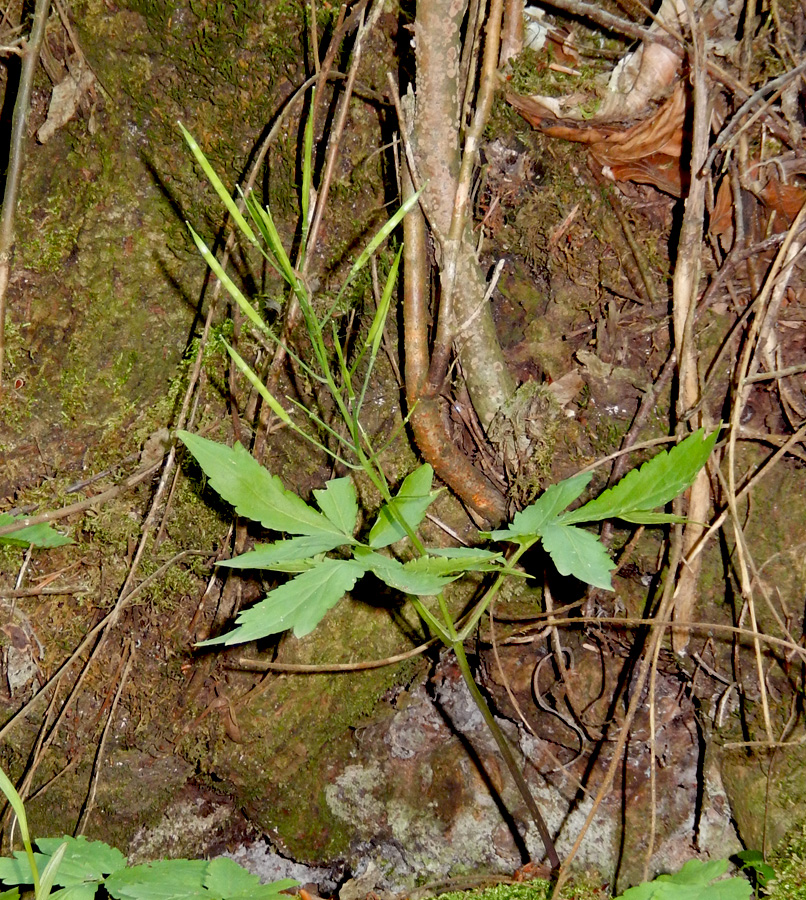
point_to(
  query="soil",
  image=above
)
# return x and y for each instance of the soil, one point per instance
(106, 301)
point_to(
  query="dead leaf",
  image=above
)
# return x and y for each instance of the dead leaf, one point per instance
(64, 101)
(648, 152)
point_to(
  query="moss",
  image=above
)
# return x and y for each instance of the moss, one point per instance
(582, 886)
(789, 862)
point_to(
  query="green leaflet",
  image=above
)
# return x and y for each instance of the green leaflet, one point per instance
(338, 502)
(579, 553)
(529, 523)
(694, 881)
(254, 491)
(42, 535)
(419, 582)
(278, 555)
(410, 503)
(83, 860)
(86, 866)
(76, 892)
(457, 561)
(226, 879)
(299, 604)
(166, 879)
(80, 872)
(655, 484)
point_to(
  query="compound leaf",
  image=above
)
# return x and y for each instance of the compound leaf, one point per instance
(655, 484)
(254, 492)
(410, 503)
(299, 604)
(694, 881)
(403, 577)
(577, 552)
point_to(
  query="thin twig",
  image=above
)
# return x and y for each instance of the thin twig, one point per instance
(99, 756)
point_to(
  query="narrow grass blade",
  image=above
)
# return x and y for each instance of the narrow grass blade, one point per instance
(22, 820)
(381, 236)
(307, 176)
(258, 385)
(50, 872)
(215, 181)
(265, 223)
(232, 289)
(375, 335)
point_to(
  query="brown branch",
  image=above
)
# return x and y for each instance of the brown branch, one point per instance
(19, 135)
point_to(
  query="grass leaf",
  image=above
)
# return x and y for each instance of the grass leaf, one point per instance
(215, 181)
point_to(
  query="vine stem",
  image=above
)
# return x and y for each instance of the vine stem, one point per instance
(458, 648)
(506, 753)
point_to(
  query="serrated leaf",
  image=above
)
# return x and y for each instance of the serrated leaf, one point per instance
(529, 523)
(254, 492)
(694, 881)
(75, 892)
(403, 577)
(42, 535)
(83, 860)
(226, 880)
(411, 502)
(299, 604)
(338, 502)
(17, 870)
(279, 554)
(13, 894)
(655, 484)
(577, 552)
(166, 879)
(457, 560)
(650, 517)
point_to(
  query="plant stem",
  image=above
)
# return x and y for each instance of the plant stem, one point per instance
(506, 753)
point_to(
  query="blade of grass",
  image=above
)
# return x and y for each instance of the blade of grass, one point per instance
(232, 289)
(375, 335)
(50, 872)
(264, 222)
(226, 197)
(380, 237)
(22, 820)
(307, 175)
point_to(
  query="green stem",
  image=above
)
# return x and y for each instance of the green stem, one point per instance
(506, 753)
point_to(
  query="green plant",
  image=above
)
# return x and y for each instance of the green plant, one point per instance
(41, 535)
(320, 580)
(80, 867)
(757, 870)
(696, 880)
